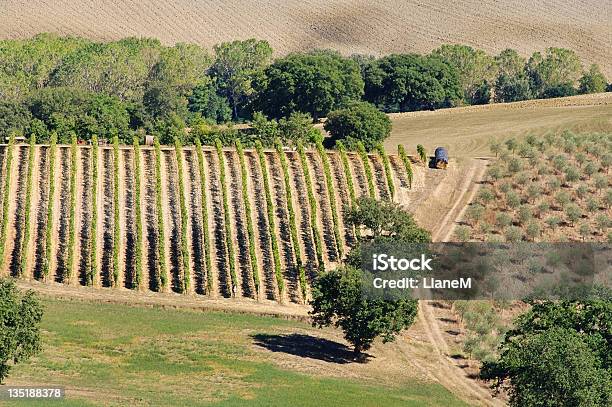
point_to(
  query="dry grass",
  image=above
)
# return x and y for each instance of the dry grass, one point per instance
(467, 131)
(349, 26)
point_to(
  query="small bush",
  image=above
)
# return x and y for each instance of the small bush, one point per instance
(513, 234)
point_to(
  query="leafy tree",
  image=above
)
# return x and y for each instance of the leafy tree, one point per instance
(337, 299)
(206, 100)
(554, 74)
(315, 83)
(512, 88)
(476, 69)
(237, 65)
(412, 82)
(559, 353)
(593, 81)
(20, 316)
(385, 219)
(360, 121)
(14, 117)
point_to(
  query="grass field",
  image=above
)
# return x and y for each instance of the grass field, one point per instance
(107, 354)
(357, 26)
(468, 131)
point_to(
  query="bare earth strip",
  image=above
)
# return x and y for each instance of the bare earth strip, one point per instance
(358, 26)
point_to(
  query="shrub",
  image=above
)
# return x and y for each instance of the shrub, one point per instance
(406, 162)
(584, 230)
(533, 230)
(367, 168)
(571, 174)
(72, 214)
(525, 213)
(486, 195)
(271, 228)
(601, 182)
(292, 221)
(562, 198)
(533, 191)
(512, 199)
(513, 234)
(205, 231)
(161, 251)
(229, 242)
(573, 213)
(475, 212)
(28, 208)
(329, 182)
(553, 221)
(462, 233)
(515, 165)
(138, 216)
(314, 224)
(590, 169)
(5, 199)
(608, 198)
(362, 122)
(503, 220)
(543, 208)
(602, 221)
(92, 270)
(582, 191)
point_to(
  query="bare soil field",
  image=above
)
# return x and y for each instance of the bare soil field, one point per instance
(355, 26)
(468, 131)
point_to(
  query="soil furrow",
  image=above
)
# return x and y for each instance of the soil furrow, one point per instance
(150, 234)
(64, 213)
(84, 228)
(378, 172)
(169, 163)
(19, 196)
(41, 211)
(128, 219)
(106, 172)
(194, 204)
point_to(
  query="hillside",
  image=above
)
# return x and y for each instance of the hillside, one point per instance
(357, 26)
(178, 243)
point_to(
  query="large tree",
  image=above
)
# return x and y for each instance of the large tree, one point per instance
(361, 121)
(237, 65)
(20, 316)
(555, 73)
(559, 353)
(411, 82)
(593, 81)
(314, 83)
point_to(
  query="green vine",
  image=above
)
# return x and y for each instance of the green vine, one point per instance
(229, 243)
(93, 245)
(349, 177)
(72, 216)
(205, 231)
(314, 224)
(116, 226)
(329, 181)
(28, 202)
(161, 252)
(387, 167)
(138, 214)
(271, 227)
(184, 249)
(49, 224)
(292, 222)
(402, 153)
(249, 221)
(5, 199)
(368, 169)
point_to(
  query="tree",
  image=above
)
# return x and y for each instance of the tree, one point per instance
(412, 82)
(558, 353)
(14, 117)
(337, 299)
(385, 219)
(20, 316)
(593, 81)
(237, 66)
(206, 100)
(315, 83)
(555, 74)
(360, 121)
(475, 69)
(512, 88)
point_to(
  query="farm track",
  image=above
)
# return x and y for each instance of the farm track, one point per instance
(76, 273)
(261, 222)
(279, 196)
(241, 239)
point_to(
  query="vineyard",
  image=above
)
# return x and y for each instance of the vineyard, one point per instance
(221, 222)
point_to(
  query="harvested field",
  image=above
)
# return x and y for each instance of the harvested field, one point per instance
(358, 26)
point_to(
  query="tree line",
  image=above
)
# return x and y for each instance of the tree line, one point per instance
(138, 86)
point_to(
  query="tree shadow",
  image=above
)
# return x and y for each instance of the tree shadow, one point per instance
(311, 347)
